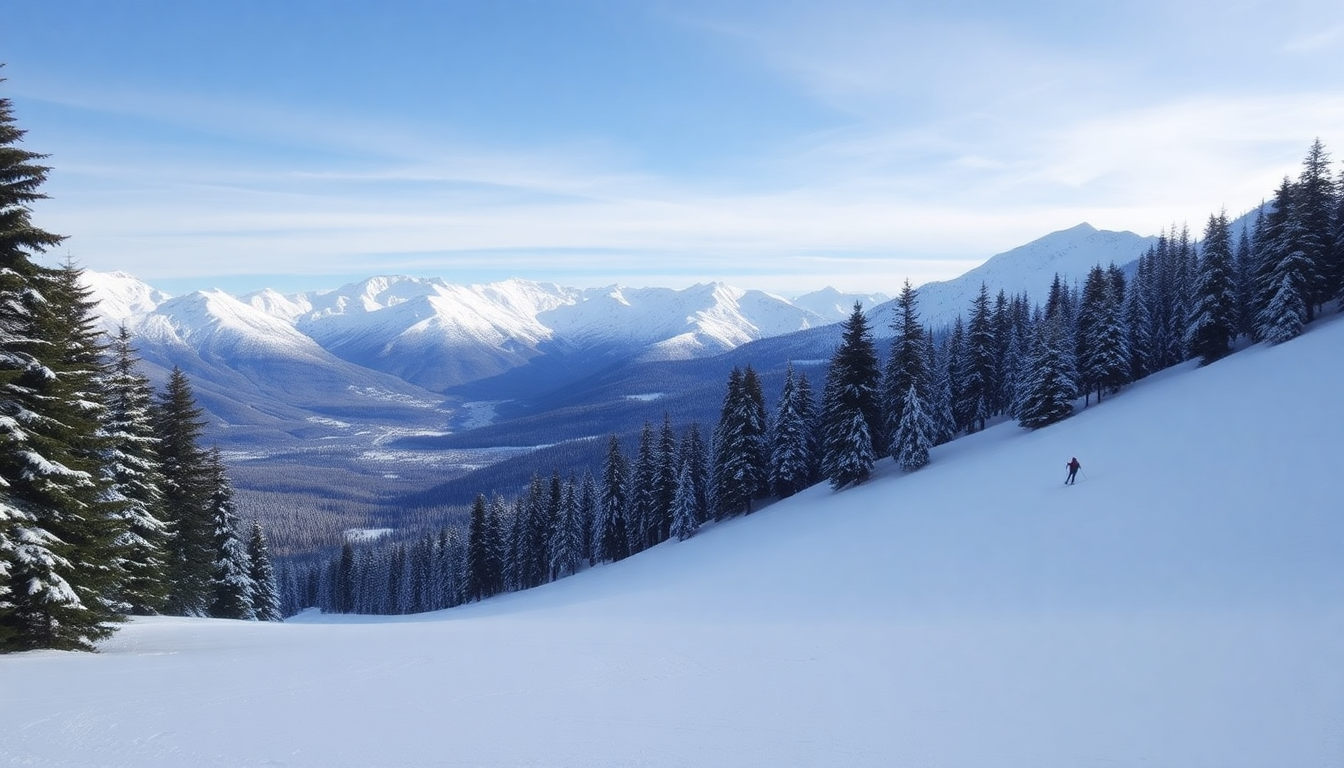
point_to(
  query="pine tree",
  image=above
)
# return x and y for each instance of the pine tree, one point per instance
(1050, 384)
(231, 583)
(58, 527)
(914, 435)
(1269, 248)
(1314, 204)
(684, 513)
(851, 412)
(567, 542)
(1103, 355)
(186, 487)
(1288, 283)
(975, 374)
(908, 364)
(588, 516)
(940, 392)
(665, 481)
(1243, 277)
(612, 539)
(641, 515)
(131, 469)
(740, 465)
(1213, 320)
(480, 580)
(265, 593)
(693, 453)
(498, 549)
(791, 441)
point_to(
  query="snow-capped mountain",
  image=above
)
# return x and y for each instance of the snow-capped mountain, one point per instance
(436, 335)
(1028, 269)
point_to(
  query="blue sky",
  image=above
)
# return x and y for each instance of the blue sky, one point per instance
(777, 145)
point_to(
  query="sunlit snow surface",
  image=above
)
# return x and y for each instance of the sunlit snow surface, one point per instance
(1182, 606)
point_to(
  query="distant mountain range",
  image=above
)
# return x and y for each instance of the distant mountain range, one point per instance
(346, 375)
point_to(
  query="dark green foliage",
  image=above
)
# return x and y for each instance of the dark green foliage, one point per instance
(851, 419)
(792, 439)
(231, 580)
(1103, 355)
(976, 374)
(1049, 386)
(480, 580)
(60, 572)
(914, 434)
(1213, 320)
(186, 497)
(612, 538)
(740, 467)
(908, 365)
(131, 468)
(265, 591)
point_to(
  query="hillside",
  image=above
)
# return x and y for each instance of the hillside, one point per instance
(1182, 606)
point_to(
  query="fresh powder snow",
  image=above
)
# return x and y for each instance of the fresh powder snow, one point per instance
(1181, 606)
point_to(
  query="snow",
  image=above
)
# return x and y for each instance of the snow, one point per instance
(1181, 606)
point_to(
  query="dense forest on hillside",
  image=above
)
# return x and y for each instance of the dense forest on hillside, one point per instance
(1186, 299)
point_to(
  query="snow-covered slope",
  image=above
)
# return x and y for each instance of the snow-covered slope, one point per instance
(1182, 606)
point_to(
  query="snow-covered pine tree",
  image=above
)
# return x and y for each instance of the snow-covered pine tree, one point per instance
(1213, 319)
(953, 346)
(1103, 340)
(231, 583)
(1267, 247)
(1289, 281)
(684, 513)
(851, 411)
(567, 542)
(57, 531)
(588, 516)
(914, 435)
(693, 453)
(1337, 242)
(757, 431)
(131, 469)
(1050, 384)
(1314, 205)
(740, 467)
(977, 380)
(665, 481)
(480, 580)
(790, 441)
(1138, 321)
(907, 365)
(612, 540)
(1243, 272)
(498, 549)
(186, 495)
(265, 591)
(644, 474)
(940, 391)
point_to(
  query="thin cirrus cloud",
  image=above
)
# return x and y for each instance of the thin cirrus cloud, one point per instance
(928, 139)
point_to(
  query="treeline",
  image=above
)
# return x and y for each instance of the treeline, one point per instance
(109, 506)
(1006, 359)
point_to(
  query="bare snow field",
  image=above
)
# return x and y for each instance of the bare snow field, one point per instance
(1182, 606)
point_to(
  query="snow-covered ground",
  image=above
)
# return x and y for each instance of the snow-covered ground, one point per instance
(1182, 606)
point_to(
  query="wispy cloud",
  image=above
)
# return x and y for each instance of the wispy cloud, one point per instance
(956, 135)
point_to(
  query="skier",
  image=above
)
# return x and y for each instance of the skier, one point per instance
(1074, 465)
